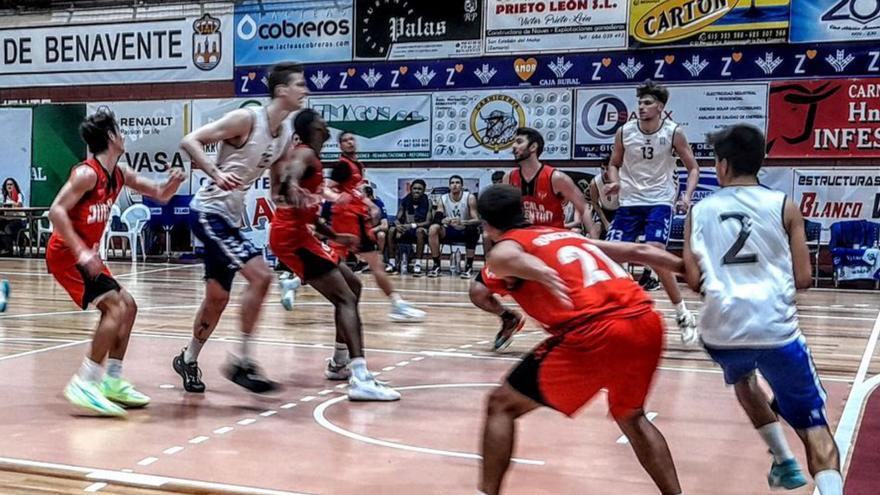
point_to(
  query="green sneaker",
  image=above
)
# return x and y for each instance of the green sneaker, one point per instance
(89, 396)
(121, 392)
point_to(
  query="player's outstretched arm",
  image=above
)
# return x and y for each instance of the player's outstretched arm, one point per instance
(81, 181)
(161, 192)
(630, 252)
(797, 241)
(563, 185)
(507, 259)
(692, 275)
(234, 128)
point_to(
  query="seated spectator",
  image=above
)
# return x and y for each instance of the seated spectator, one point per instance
(413, 217)
(604, 205)
(458, 223)
(381, 228)
(497, 177)
(10, 227)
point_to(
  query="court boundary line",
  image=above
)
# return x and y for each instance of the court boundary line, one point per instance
(45, 349)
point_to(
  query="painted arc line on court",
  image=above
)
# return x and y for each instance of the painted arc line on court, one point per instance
(95, 487)
(318, 414)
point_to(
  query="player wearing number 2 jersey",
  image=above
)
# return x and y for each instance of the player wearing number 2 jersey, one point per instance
(605, 332)
(745, 251)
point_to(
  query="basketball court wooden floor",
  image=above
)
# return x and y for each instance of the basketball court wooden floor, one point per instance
(310, 439)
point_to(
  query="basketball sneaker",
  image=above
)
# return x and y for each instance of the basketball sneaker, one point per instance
(4, 294)
(434, 272)
(404, 311)
(511, 322)
(249, 376)
(370, 390)
(337, 371)
(122, 392)
(88, 396)
(190, 372)
(786, 474)
(467, 274)
(688, 326)
(417, 269)
(289, 284)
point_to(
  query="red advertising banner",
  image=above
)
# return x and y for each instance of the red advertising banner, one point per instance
(831, 118)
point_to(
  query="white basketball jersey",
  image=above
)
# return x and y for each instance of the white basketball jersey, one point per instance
(247, 162)
(647, 175)
(456, 209)
(740, 242)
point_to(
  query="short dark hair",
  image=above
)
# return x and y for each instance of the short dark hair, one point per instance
(368, 191)
(418, 181)
(650, 88)
(533, 137)
(280, 75)
(342, 135)
(500, 205)
(742, 145)
(456, 176)
(302, 124)
(96, 128)
(497, 175)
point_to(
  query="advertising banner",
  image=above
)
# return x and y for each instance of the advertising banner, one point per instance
(513, 26)
(698, 110)
(707, 22)
(832, 118)
(410, 29)
(834, 20)
(833, 195)
(152, 132)
(56, 129)
(480, 125)
(386, 127)
(755, 62)
(183, 49)
(15, 141)
(306, 31)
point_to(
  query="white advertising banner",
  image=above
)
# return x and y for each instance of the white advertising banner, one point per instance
(152, 132)
(697, 109)
(514, 26)
(386, 127)
(182, 49)
(480, 125)
(15, 141)
(833, 195)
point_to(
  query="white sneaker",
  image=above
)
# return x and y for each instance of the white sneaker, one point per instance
(337, 371)
(417, 269)
(370, 390)
(404, 311)
(688, 326)
(288, 291)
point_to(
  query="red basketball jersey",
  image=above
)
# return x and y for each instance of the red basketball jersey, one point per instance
(312, 181)
(597, 286)
(542, 206)
(90, 214)
(357, 174)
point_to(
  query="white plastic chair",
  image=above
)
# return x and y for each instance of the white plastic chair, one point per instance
(44, 227)
(102, 249)
(134, 218)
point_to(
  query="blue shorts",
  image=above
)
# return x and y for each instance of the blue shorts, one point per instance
(226, 250)
(799, 396)
(632, 221)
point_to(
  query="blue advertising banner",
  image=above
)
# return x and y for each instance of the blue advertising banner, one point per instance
(686, 64)
(834, 20)
(306, 31)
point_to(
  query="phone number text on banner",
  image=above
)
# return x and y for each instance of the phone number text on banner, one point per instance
(684, 64)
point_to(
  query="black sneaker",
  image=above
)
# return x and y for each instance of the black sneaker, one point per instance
(651, 285)
(434, 272)
(468, 273)
(190, 372)
(250, 377)
(511, 322)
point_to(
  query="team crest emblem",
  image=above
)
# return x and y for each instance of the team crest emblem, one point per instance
(207, 42)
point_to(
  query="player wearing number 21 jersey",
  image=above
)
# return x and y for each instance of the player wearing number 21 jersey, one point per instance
(604, 331)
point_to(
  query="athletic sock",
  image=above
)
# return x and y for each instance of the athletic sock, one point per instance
(340, 353)
(395, 299)
(774, 437)
(90, 371)
(359, 368)
(646, 274)
(680, 308)
(469, 263)
(437, 262)
(829, 482)
(191, 354)
(244, 349)
(114, 368)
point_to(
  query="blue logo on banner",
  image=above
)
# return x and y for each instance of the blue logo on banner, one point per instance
(834, 20)
(277, 32)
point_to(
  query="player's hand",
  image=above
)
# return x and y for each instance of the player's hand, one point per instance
(176, 176)
(298, 197)
(401, 228)
(227, 180)
(683, 206)
(347, 240)
(553, 282)
(90, 263)
(611, 188)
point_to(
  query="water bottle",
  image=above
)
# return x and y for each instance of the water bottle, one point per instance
(404, 261)
(455, 262)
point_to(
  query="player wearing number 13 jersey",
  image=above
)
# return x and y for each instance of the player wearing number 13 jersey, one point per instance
(745, 251)
(604, 331)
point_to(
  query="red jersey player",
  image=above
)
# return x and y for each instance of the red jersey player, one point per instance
(353, 213)
(79, 214)
(544, 192)
(605, 332)
(296, 190)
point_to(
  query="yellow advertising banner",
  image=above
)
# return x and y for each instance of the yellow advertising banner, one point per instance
(707, 22)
